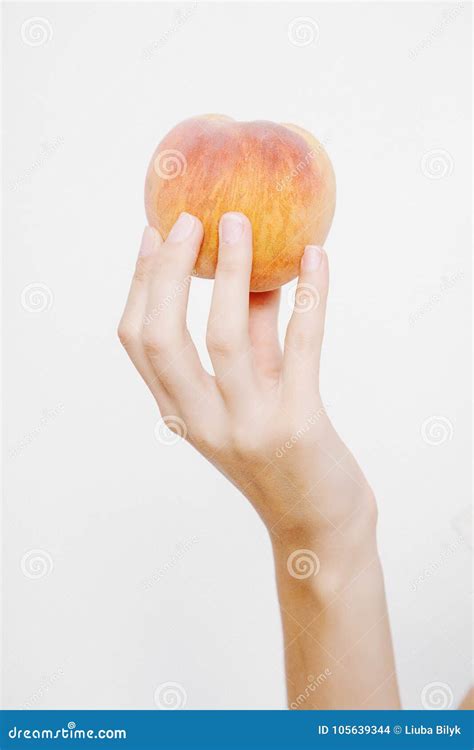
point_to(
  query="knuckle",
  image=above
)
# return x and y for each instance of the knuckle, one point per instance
(219, 342)
(127, 333)
(247, 443)
(156, 343)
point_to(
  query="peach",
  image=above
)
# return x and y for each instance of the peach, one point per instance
(278, 175)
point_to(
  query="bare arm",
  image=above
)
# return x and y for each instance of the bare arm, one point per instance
(261, 421)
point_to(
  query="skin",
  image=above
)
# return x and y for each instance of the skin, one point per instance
(468, 701)
(261, 421)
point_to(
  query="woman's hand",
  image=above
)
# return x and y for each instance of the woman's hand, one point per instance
(261, 421)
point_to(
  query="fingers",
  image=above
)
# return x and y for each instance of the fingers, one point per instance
(166, 340)
(263, 328)
(228, 339)
(130, 330)
(305, 331)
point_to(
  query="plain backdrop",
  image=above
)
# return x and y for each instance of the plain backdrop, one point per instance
(108, 507)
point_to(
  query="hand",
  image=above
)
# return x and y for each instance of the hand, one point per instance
(261, 421)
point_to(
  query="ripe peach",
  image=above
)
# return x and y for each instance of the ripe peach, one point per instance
(278, 175)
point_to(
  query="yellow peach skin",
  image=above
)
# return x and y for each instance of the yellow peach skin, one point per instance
(278, 175)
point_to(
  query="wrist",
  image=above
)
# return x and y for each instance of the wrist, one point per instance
(322, 559)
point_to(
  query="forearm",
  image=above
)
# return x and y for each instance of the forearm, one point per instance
(338, 648)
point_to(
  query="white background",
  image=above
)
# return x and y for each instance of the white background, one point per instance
(383, 85)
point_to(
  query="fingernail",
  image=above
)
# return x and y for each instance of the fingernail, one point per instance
(312, 258)
(147, 244)
(182, 229)
(231, 228)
